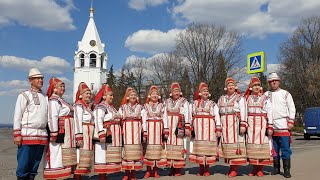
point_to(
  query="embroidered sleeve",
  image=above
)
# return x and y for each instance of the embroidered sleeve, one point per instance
(21, 105)
(53, 116)
(144, 115)
(78, 117)
(291, 109)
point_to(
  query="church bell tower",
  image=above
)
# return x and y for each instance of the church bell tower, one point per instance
(90, 60)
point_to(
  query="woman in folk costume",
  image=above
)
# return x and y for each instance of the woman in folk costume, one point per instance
(130, 111)
(61, 152)
(206, 127)
(108, 151)
(177, 125)
(84, 127)
(232, 107)
(152, 117)
(259, 145)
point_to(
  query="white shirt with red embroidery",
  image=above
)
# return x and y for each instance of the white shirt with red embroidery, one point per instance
(31, 118)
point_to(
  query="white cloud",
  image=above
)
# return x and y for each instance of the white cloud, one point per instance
(273, 68)
(48, 64)
(142, 4)
(43, 14)
(254, 18)
(14, 87)
(152, 41)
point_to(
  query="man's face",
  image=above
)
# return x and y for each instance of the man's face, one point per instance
(36, 82)
(274, 84)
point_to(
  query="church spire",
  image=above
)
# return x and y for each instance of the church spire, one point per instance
(91, 9)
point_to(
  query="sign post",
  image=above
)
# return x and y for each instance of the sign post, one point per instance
(256, 62)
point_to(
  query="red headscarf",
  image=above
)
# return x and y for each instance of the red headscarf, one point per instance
(82, 88)
(201, 87)
(54, 83)
(254, 80)
(126, 96)
(153, 88)
(105, 89)
(231, 80)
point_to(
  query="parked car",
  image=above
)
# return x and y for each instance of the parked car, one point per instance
(311, 122)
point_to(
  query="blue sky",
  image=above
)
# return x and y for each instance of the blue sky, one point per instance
(44, 33)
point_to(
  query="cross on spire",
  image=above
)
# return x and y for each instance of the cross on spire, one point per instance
(91, 9)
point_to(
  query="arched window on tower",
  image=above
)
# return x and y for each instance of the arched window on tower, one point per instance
(93, 60)
(81, 60)
(101, 60)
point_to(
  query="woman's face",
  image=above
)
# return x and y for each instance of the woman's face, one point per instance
(256, 89)
(60, 90)
(133, 97)
(176, 94)
(205, 94)
(86, 96)
(154, 96)
(109, 97)
(231, 88)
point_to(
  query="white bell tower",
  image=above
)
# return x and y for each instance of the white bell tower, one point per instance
(90, 61)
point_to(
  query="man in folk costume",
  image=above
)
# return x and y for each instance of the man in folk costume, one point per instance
(152, 117)
(61, 153)
(177, 126)
(29, 125)
(130, 111)
(108, 151)
(260, 127)
(233, 118)
(206, 127)
(84, 127)
(283, 110)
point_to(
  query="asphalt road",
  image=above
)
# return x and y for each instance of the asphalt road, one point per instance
(305, 163)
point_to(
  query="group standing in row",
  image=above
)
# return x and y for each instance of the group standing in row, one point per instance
(251, 128)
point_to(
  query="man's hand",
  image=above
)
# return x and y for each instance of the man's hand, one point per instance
(17, 140)
(79, 143)
(270, 132)
(290, 126)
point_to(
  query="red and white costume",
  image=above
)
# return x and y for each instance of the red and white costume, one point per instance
(153, 124)
(259, 146)
(84, 127)
(108, 155)
(132, 133)
(233, 114)
(31, 118)
(62, 154)
(176, 114)
(284, 111)
(205, 123)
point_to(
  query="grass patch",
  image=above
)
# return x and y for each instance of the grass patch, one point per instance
(298, 129)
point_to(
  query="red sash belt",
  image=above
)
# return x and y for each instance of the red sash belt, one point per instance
(204, 116)
(257, 114)
(154, 120)
(107, 124)
(61, 123)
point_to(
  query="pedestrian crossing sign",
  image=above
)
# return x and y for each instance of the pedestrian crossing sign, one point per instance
(256, 62)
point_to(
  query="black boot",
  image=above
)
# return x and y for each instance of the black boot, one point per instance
(286, 168)
(21, 178)
(276, 166)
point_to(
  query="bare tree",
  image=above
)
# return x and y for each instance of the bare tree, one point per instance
(300, 56)
(211, 51)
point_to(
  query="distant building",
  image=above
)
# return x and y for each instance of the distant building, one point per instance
(90, 61)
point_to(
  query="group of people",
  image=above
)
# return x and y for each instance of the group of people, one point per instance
(254, 127)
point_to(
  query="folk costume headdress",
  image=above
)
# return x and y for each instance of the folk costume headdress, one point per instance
(54, 83)
(101, 95)
(175, 86)
(82, 88)
(254, 81)
(125, 98)
(198, 93)
(230, 80)
(153, 89)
